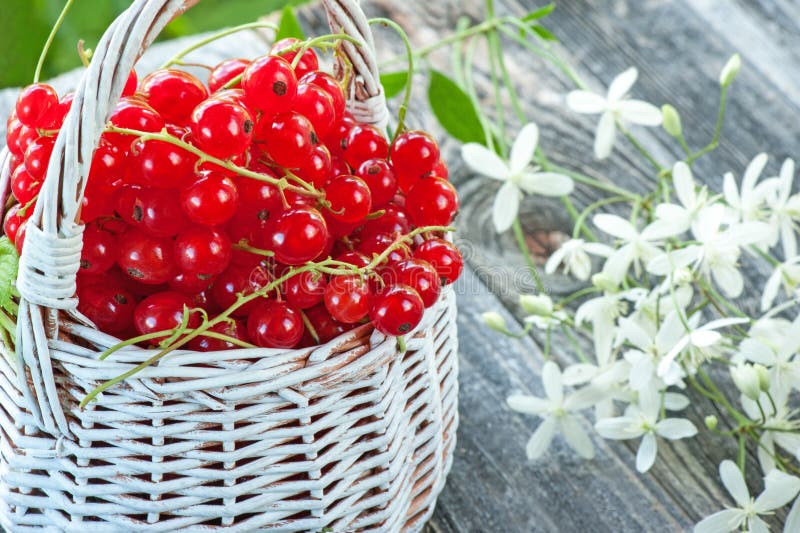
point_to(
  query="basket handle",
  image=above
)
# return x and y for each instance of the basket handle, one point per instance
(51, 257)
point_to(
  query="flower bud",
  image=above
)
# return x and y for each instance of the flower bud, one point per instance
(603, 281)
(494, 321)
(671, 120)
(711, 422)
(539, 305)
(730, 70)
(746, 379)
(763, 377)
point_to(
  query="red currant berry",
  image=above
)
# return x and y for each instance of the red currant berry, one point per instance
(55, 117)
(397, 310)
(162, 165)
(349, 197)
(220, 128)
(19, 240)
(211, 200)
(275, 325)
(317, 170)
(364, 142)
(414, 154)
(308, 61)
(270, 85)
(338, 166)
(443, 256)
(163, 311)
(298, 236)
(34, 103)
(239, 280)
(37, 156)
(347, 298)
(174, 94)
(155, 211)
(417, 274)
(235, 329)
(440, 170)
(314, 103)
(226, 72)
(329, 84)
(131, 84)
(97, 202)
(377, 244)
(24, 186)
(13, 220)
(379, 177)
(336, 140)
(432, 202)
(108, 305)
(394, 221)
(109, 167)
(99, 251)
(19, 137)
(354, 258)
(146, 259)
(202, 251)
(188, 284)
(325, 326)
(133, 113)
(290, 140)
(304, 290)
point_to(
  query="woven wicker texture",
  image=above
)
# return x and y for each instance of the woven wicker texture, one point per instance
(351, 435)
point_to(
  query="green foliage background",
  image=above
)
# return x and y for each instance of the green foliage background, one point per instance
(25, 24)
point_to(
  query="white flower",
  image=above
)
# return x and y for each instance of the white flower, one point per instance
(786, 274)
(636, 246)
(642, 421)
(783, 427)
(784, 209)
(680, 217)
(779, 489)
(651, 347)
(574, 254)
(748, 204)
(698, 344)
(783, 363)
(615, 106)
(556, 411)
(517, 174)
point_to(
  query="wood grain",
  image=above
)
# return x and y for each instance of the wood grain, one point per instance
(679, 47)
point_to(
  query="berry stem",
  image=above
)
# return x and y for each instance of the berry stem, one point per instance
(282, 183)
(401, 112)
(322, 42)
(216, 36)
(37, 74)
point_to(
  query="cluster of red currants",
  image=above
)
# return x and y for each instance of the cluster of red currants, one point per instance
(240, 182)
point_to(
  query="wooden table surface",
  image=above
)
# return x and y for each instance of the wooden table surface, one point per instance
(679, 47)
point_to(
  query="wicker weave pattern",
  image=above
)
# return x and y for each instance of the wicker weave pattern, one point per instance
(350, 436)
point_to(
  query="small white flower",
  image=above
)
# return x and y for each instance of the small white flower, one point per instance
(784, 209)
(786, 275)
(557, 413)
(642, 421)
(615, 107)
(635, 246)
(650, 348)
(782, 425)
(748, 204)
(680, 217)
(517, 175)
(746, 379)
(783, 363)
(574, 255)
(779, 489)
(697, 345)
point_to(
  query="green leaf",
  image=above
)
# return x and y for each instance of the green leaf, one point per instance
(9, 262)
(394, 83)
(544, 33)
(539, 13)
(454, 109)
(289, 26)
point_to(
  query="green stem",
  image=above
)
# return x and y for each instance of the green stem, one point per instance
(597, 184)
(38, 73)
(714, 143)
(216, 36)
(401, 113)
(642, 150)
(469, 57)
(591, 207)
(523, 247)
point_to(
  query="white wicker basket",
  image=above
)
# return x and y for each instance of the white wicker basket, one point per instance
(351, 435)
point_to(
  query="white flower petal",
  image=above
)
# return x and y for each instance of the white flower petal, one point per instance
(684, 184)
(730, 191)
(639, 112)
(729, 280)
(771, 289)
(676, 428)
(546, 183)
(616, 226)
(506, 206)
(752, 173)
(619, 428)
(530, 405)
(604, 135)
(524, 147)
(734, 482)
(576, 437)
(620, 86)
(586, 102)
(484, 161)
(641, 373)
(555, 259)
(583, 398)
(704, 338)
(779, 489)
(551, 379)
(757, 525)
(721, 522)
(793, 519)
(541, 438)
(579, 373)
(618, 264)
(674, 401)
(646, 455)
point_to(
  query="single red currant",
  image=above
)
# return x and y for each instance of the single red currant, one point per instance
(336, 140)
(397, 310)
(37, 156)
(317, 170)
(162, 165)
(146, 259)
(19, 137)
(19, 240)
(290, 140)
(270, 84)
(379, 177)
(99, 251)
(417, 274)
(133, 113)
(108, 305)
(308, 61)
(275, 325)
(354, 258)
(364, 142)
(298, 236)
(155, 211)
(55, 117)
(188, 284)
(163, 311)
(414, 154)
(225, 72)
(239, 280)
(131, 84)
(220, 128)
(432, 202)
(235, 329)
(314, 103)
(304, 290)
(34, 103)
(24, 186)
(211, 200)
(174, 94)
(13, 220)
(443, 256)
(349, 197)
(377, 244)
(347, 298)
(202, 251)
(440, 170)
(329, 84)
(394, 221)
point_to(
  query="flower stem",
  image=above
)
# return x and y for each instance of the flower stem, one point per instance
(714, 143)
(50, 38)
(523, 247)
(401, 113)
